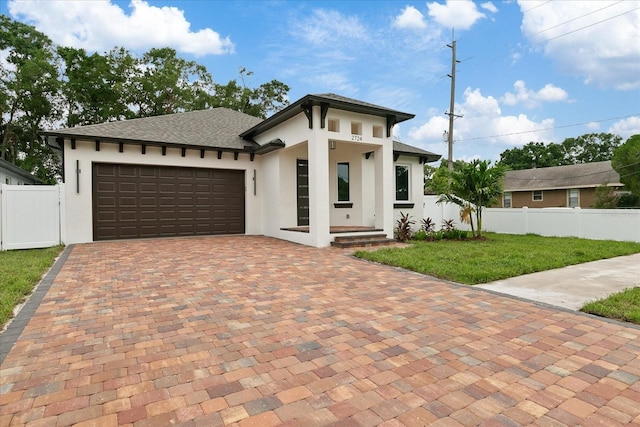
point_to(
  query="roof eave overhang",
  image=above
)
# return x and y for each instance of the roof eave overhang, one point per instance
(566, 187)
(152, 143)
(304, 104)
(424, 157)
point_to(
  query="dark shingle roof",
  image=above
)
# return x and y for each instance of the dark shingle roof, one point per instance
(558, 177)
(18, 171)
(217, 127)
(410, 150)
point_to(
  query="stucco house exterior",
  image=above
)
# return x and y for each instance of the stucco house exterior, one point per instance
(11, 174)
(560, 186)
(324, 165)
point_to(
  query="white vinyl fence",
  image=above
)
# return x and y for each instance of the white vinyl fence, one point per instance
(30, 216)
(596, 224)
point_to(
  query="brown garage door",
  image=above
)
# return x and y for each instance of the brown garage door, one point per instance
(135, 201)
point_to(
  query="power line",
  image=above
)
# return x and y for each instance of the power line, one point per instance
(577, 17)
(510, 54)
(587, 26)
(537, 6)
(543, 129)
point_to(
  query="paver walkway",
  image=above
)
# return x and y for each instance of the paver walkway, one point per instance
(253, 331)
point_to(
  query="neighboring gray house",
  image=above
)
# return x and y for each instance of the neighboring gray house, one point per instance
(11, 174)
(559, 186)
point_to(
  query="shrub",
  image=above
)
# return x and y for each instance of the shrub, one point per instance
(420, 235)
(448, 224)
(403, 229)
(428, 226)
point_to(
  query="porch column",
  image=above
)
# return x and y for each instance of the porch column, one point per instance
(384, 182)
(319, 212)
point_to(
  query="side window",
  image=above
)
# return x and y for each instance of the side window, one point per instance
(537, 196)
(343, 182)
(402, 182)
(506, 203)
(574, 198)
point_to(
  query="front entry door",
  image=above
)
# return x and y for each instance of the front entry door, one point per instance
(302, 170)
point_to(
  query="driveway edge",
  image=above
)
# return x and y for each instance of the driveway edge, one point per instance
(18, 323)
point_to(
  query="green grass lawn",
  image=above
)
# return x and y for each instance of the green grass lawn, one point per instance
(623, 305)
(500, 256)
(20, 271)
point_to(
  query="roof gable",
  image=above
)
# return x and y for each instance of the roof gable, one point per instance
(327, 100)
(558, 177)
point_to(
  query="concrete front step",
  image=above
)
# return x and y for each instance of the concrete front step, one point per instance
(362, 240)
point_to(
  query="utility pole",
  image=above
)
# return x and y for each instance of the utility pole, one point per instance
(451, 114)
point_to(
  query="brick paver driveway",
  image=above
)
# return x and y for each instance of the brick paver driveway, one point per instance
(256, 331)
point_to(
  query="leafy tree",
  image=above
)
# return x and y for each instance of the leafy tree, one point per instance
(626, 161)
(605, 197)
(267, 98)
(163, 83)
(436, 180)
(93, 85)
(592, 147)
(28, 87)
(473, 186)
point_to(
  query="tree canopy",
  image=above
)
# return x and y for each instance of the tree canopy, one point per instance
(626, 161)
(587, 148)
(48, 86)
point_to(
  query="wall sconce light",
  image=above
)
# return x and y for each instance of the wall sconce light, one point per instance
(332, 144)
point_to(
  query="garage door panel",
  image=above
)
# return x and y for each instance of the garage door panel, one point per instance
(133, 201)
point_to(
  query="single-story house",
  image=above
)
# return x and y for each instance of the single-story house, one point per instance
(324, 165)
(11, 174)
(559, 186)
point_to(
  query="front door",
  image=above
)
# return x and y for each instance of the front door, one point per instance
(302, 172)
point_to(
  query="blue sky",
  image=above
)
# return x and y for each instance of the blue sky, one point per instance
(529, 70)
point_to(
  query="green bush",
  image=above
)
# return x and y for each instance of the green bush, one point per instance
(420, 235)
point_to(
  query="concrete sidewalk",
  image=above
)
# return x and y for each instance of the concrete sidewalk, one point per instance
(571, 287)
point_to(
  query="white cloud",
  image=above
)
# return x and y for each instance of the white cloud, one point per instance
(489, 6)
(482, 124)
(458, 14)
(532, 99)
(410, 18)
(596, 40)
(626, 127)
(101, 25)
(326, 26)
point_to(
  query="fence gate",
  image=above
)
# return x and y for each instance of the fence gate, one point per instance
(29, 216)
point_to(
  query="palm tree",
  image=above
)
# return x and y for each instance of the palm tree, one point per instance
(473, 186)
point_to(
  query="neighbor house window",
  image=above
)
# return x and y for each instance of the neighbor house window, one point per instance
(402, 182)
(343, 182)
(506, 201)
(574, 198)
(537, 196)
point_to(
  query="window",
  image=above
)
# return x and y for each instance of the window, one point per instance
(356, 128)
(402, 182)
(506, 201)
(377, 131)
(343, 182)
(537, 196)
(574, 198)
(334, 125)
